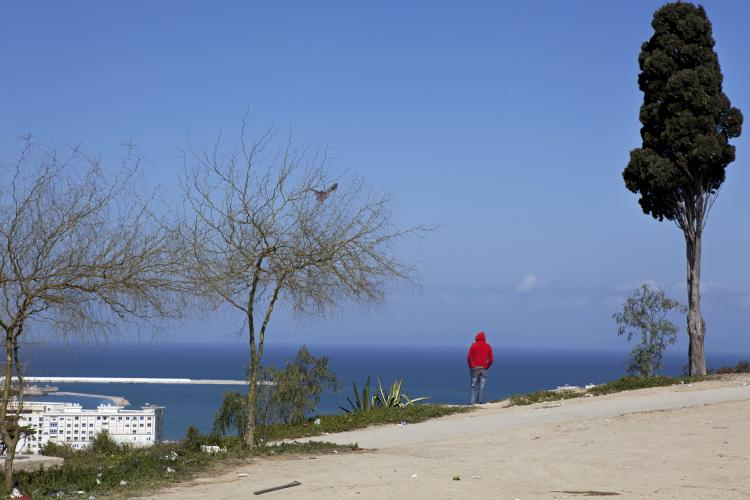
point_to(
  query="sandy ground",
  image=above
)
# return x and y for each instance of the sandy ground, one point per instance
(681, 442)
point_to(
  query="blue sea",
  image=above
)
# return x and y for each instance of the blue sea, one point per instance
(437, 372)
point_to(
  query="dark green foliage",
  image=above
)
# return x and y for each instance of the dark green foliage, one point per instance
(644, 315)
(687, 119)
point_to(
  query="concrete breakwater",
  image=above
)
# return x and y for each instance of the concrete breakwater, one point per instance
(136, 380)
(131, 380)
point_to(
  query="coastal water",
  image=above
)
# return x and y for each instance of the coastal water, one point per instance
(437, 372)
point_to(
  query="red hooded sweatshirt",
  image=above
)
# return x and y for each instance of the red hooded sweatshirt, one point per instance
(480, 353)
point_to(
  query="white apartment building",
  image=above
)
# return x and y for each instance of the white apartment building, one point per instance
(69, 423)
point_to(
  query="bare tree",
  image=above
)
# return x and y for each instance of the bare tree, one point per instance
(78, 253)
(261, 234)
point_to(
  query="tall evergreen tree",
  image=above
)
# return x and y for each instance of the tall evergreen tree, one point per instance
(687, 123)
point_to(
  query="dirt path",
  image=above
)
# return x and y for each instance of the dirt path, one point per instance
(678, 442)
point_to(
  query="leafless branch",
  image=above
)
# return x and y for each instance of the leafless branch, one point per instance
(267, 228)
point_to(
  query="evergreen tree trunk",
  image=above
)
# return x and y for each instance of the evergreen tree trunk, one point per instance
(696, 325)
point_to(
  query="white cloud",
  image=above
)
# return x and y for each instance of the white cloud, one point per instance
(529, 282)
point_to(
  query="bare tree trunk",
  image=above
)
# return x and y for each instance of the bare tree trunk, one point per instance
(252, 389)
(7, 381)
(696, 325)
(10, 439)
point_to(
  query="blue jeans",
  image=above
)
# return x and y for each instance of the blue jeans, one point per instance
(478, 379)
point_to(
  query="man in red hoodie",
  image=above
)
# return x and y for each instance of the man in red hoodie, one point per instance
(479, 359)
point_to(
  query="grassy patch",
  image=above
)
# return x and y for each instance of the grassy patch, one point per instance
(619, 385)
(101, 470)
(312, 447)
(351, 421)
(633, 383)
(541, 397)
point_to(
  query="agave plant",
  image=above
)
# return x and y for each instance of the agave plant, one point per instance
(395, 398)
(363, 403)
(380, 399)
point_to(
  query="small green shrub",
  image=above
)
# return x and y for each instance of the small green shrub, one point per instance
(644, 317)
(232, 415)
(291, 395)
(103, 444)
(57, 450)
(193, 439)
(296, 389)
(741, 367)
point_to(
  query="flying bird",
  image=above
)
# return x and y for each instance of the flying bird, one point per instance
(322, 195)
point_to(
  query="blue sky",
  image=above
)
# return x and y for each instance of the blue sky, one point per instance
(506, 123)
